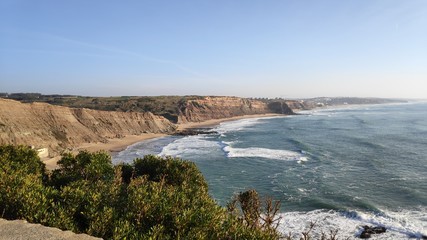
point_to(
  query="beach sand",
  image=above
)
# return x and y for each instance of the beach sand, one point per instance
(118, 144)
(112, 146)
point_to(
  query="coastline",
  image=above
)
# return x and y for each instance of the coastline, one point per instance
(116, 145)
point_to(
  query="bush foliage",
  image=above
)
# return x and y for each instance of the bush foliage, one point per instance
(153, 198)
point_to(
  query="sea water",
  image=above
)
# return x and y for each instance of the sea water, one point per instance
(341, 168)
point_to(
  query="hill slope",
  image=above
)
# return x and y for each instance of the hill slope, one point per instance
(47, 126)
(177, 109)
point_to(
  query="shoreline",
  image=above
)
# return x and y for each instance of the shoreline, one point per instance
(118, 144)
(214, 122)
(115, 145)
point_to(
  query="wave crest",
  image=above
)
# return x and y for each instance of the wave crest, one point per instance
(264, 153)
(400, 225)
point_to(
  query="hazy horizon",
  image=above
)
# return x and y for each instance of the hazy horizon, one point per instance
(287, 49)
(286, 98)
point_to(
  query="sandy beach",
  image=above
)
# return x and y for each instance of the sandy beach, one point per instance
(118, 144)
(112, 146)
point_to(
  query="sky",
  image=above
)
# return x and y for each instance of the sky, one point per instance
(257, 48)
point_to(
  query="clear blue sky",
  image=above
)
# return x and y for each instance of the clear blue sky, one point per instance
(244, 48)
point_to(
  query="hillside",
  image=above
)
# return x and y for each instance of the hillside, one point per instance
(177, 109)
(57, 128)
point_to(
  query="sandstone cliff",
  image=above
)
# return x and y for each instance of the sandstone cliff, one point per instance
(206, 108)
(57, 128)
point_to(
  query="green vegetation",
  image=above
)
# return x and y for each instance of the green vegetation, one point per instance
(153, 198)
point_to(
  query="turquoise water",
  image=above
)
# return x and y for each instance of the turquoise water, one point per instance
(344, 167)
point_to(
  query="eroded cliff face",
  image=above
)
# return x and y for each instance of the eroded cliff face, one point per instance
(206, 108)
(298, 105)
(57, 128)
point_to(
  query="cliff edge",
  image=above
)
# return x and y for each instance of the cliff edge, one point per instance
(208, 108)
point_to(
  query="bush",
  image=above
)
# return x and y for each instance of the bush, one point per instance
(21, 181)
(153, 198)
(84, 166)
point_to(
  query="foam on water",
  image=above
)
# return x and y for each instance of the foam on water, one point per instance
(189, 145)
(240, 125)
(140, 149)
(400, 225)
(264, 153)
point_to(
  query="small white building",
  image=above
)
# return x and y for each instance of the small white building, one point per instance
(43, 152)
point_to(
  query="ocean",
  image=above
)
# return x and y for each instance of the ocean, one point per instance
(341, 168)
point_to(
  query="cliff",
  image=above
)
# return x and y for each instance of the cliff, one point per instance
(57, 128)
(52, 128)
(207, 108)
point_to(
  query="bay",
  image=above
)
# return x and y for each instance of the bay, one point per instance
(342, 168)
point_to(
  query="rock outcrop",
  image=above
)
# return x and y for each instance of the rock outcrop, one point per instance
(57, 128)
(206, 108)
(280, 107)
(298, 105)
(368, 231)
(22, 230)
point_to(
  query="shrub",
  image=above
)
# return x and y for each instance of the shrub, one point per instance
(153, 198)
(84, 166)
(21, 181)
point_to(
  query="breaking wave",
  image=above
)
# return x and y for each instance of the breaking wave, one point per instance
(400, 225)
(240, 125)
(189, 146)
(264, 153)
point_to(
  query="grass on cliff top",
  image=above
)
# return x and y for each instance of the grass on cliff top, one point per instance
(167, 106)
